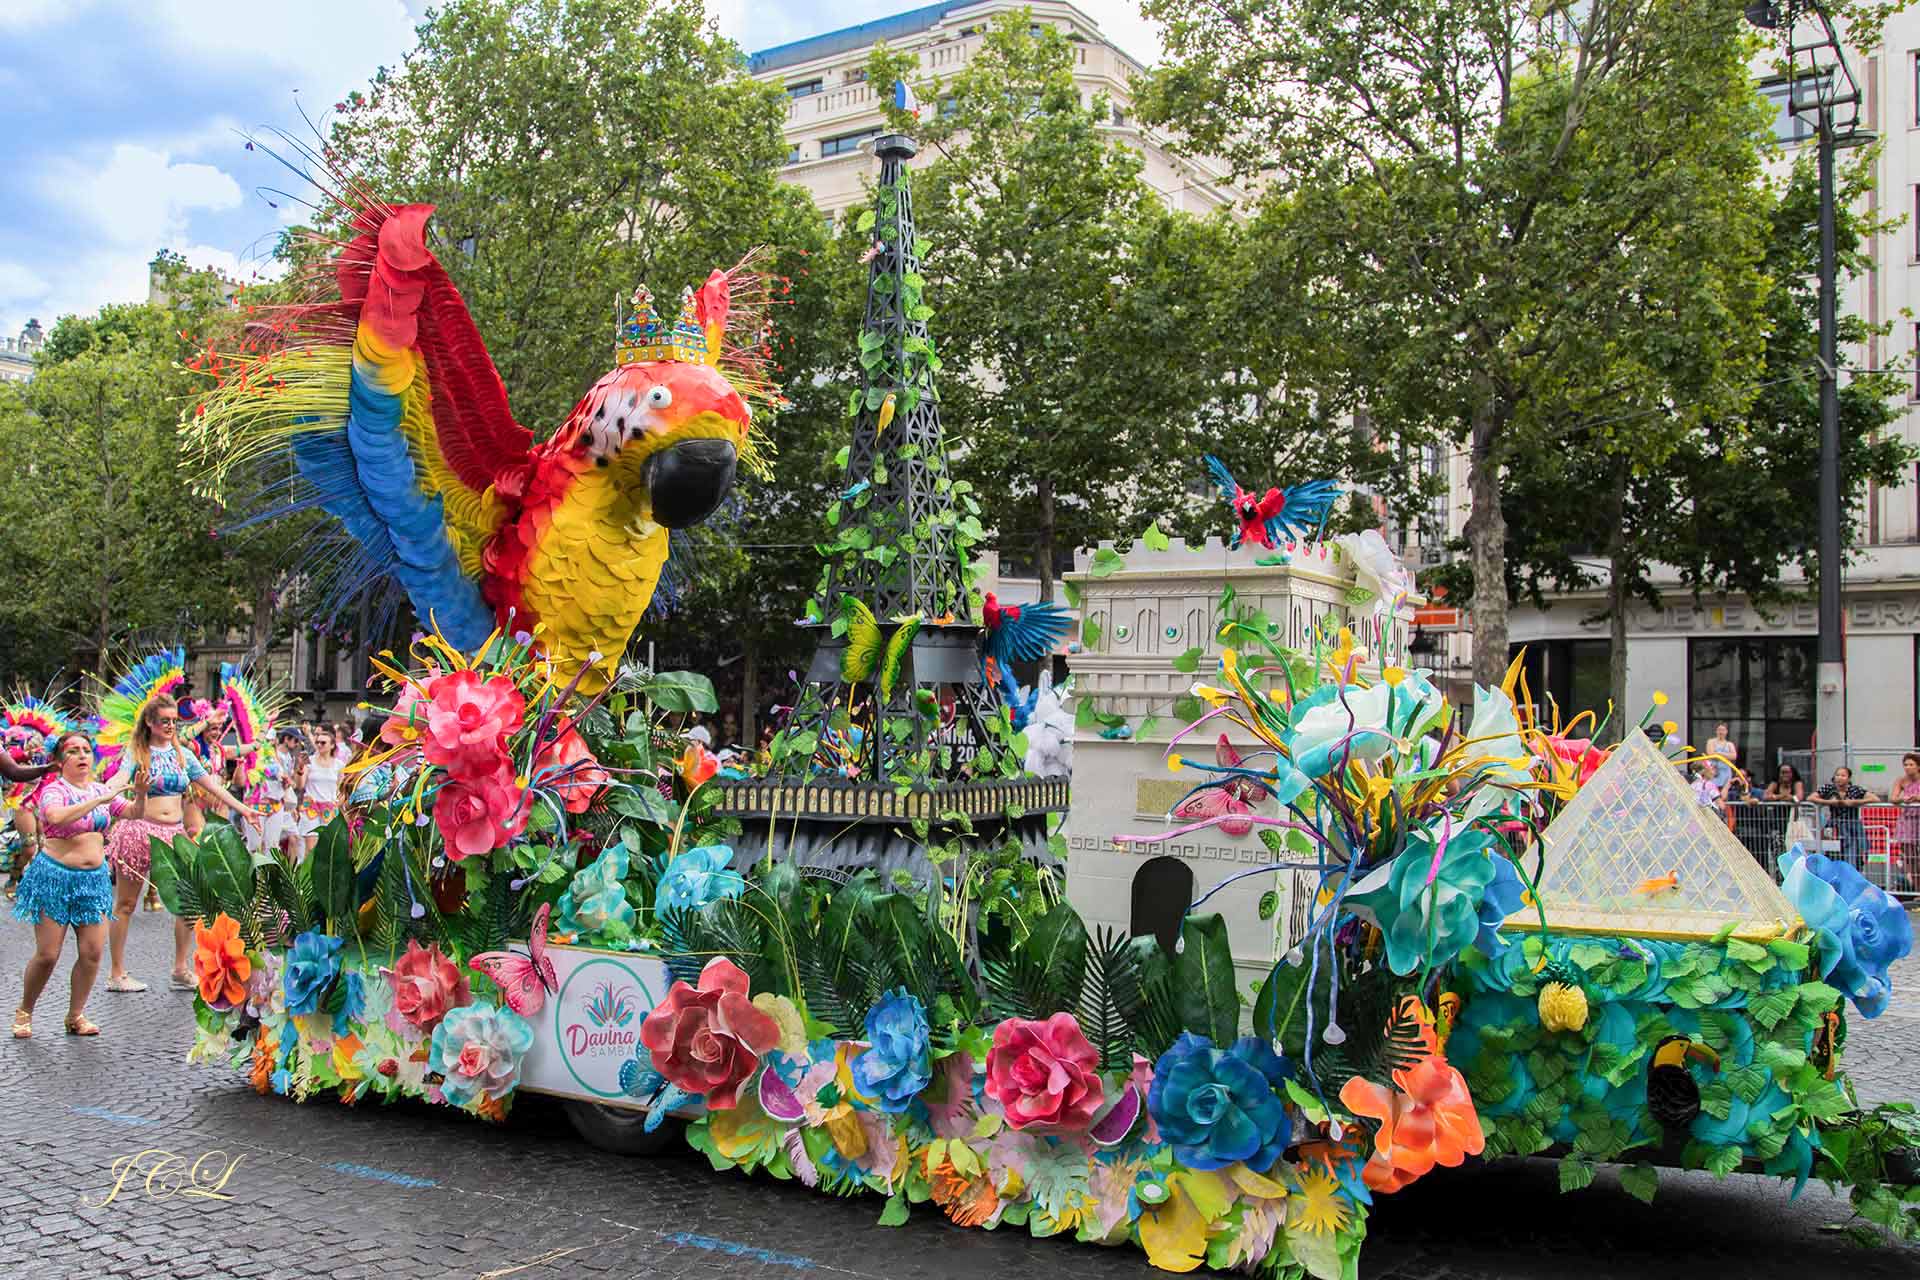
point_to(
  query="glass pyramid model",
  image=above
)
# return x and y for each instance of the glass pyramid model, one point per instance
(1634, 853)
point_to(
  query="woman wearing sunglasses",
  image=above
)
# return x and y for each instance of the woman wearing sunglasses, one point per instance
(173, 775)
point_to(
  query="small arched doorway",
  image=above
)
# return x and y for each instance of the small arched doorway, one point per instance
(1162, 892)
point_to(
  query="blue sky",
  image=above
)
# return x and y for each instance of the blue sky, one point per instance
(121, 122)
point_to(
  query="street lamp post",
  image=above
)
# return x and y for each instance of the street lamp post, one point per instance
(1834, 92)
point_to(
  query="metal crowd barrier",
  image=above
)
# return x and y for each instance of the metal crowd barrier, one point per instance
(1884, 845)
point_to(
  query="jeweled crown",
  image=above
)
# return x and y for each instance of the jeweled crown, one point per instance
(644, 335)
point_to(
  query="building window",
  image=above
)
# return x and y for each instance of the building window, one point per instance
(805, 89)
(1787, 127)
(1119, 117)
(1914, 394)
(856, 75)
(793, 154)
(1915, 59)
(846, 142)
(1761, 688)
(949, 106)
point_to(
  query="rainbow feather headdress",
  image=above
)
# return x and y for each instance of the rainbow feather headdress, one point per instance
(28, 718)
(255, 711)
(127, 699)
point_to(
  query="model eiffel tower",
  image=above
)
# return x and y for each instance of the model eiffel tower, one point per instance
(915, 739)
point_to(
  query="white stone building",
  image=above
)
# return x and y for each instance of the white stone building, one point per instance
(832, 113)
(16, 354)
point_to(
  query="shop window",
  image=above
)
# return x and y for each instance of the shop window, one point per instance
(1760, 687)
(805, 89)
(1162, 892)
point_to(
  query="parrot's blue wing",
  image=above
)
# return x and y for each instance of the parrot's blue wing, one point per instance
(1307, 509)
(1229, 487)
(1031, 636)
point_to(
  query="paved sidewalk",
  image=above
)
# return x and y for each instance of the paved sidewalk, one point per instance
(354, 1193)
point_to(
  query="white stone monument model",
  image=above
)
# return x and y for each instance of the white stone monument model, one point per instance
(1157, 607)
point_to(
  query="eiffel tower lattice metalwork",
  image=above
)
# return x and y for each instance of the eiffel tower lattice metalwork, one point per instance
(899, 538)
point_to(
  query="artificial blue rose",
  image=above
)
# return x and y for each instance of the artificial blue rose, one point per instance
(1861, 929)
(1220, 1106)
(597, 897)
(353, 1007)
(898, 1062)
(1443, 915)
(312, 964)
(1504, 895)
(698, 878)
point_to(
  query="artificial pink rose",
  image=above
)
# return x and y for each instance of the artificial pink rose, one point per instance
(468, 720)
(1044, 1075)
(477, 815)
(473, 1060)
(570, 770)
(709, 1039)
(426, 984)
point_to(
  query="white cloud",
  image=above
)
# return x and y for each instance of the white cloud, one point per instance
(139, 196)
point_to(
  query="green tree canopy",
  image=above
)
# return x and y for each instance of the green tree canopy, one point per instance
(1543, 221)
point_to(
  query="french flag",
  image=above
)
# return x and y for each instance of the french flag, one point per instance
(904, 99)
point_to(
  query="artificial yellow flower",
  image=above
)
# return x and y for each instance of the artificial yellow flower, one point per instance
(1317, 1205)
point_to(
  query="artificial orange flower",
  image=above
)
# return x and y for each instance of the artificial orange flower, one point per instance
(697, 764)
(968, 1201)
(220, 962)
(261, 1074)
(1426, 1119)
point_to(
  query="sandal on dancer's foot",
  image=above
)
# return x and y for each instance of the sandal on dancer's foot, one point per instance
(80, 1025)
(178, 983)
(125, 982)
(23, 1024)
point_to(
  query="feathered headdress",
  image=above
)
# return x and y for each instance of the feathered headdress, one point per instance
(28, 717)
(255, 711)
(124, 701)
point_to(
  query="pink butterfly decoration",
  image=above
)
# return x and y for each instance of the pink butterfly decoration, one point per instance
(524, 981)
(1228, 800)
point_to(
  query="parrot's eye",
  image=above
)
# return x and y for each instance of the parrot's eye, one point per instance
(659, 398)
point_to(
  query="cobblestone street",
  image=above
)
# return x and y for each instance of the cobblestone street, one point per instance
(348, 1193)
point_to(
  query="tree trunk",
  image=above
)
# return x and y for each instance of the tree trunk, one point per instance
(1619, 593)
(749, 695)
(1043, 538)
(1487, 538)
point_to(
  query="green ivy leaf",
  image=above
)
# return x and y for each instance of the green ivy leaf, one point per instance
(1155, 538)
(1575, 1175)
(1189, 662)
(1107, 562)
(1767, 1010)
(1071, 590)
(1641, 1182)
(1090, 635)
(1269, 902)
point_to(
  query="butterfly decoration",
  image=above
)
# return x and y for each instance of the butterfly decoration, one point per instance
(1267, 519)
(524, 981)
(1226, 800)
(871, 653)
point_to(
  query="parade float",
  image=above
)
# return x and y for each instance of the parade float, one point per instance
(861, 970)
